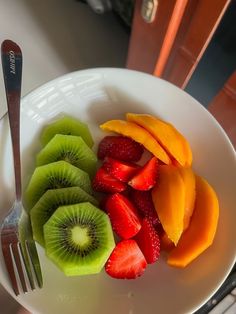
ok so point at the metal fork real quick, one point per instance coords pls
(18, 247)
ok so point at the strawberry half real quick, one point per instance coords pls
(126, 261)
(120, 170)
(146, 177)
(123, 215)
(104, 182)
(143, 202)
(120, 147)
(148, 241)
(103, 201)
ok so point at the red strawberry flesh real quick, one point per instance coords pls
(126, 261)
(123, 215)
(104, 182)
(120, 147)
(120, 170)
(148, 241)
(144, 204)
(146, 177)
(103, 201)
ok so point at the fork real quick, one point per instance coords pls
(18, 247)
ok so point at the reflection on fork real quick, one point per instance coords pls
(18, 247)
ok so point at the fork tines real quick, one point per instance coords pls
(21, 263)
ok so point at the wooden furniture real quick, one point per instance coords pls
(223, 108)
(172, 45)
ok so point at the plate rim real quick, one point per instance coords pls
(134, 72)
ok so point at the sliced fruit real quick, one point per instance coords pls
(104, 182)
(69, 148)
(166, 134)
(168, 197)
(123, 215)
(202, 228)
(188, 152)
(68, 126)
(120, 170)
(138, 134)
(146, 177)
(144, 204)
(103, 202)
(50, 201)
(166, 244)
(188, 177)
(55, 175)
(120, 147)
(148, 241)
(79, 239)
(126, 261)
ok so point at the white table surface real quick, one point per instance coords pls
(59, 36)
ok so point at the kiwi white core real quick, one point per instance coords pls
(80, 236)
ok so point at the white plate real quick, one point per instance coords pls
(95, 96)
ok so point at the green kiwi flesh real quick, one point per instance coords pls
(79, 239)
(50, 201)
(67, 126)
(69, 148)
(55, 175)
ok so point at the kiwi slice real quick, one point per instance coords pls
(70, 148)
(50, 201)
(55, 175)
(79, 239)
(68, 126)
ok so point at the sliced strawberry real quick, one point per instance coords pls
(103, 202)
(120, 147)
(146, 177)
(120, 170)
(126, 261)
(143, 202)
(148, 241)
(123, 215)
(104, 182)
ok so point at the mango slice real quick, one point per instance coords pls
(167, 135)
(139, 135)
(188, 177)
(202, 228)
(188, 151)
(168, 196)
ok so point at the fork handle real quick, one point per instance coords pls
(12, 73)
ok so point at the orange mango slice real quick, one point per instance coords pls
(168, 196)
(167, 135)
(188, 177)
(188, 151)
(202, 228)
(139, 135)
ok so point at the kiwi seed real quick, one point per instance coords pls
(55, 175)
(79, 239)
(69, 148)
